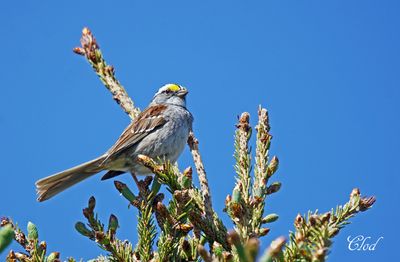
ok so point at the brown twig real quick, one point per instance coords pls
(201, 172)
(91, 50)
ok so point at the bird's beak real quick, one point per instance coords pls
(182, 93)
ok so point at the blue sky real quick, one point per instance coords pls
(328, 71)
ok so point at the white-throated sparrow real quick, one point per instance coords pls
(160, 132)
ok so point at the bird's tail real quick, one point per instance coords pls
(52, 185)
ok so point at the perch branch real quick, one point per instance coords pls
(201, 172)
(91, 50)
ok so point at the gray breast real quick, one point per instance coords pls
(167, 142)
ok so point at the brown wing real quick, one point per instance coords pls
(147, 121)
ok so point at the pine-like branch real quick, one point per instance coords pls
(246, 205)
(95, 230)
(313, 236)
(91, 50)
(34, 250)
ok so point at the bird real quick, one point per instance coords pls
(160, 132)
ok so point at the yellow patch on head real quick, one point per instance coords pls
(173, 87)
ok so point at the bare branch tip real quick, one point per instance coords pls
(278, 243)
(143, 158)
(244, 118)
(79, 51)
(86, 31)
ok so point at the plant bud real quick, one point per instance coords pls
(113, 224)
(264, 231)
(188, 172)
(366, 202)
(83, 230)
(325, 217)
(270, 218)
(185, 228)
(273, 166)
(299, 237)
(20, 237)
(273, 188)
(125, 191)
(21, 256)
(92, 204)
(333, 232)
(86, 31)
(252, 247)
(4, 221)
(87, 213)
(236, 196)
(42, 246)
(110, 69)
(6, 236)
(314, 219)
(276, 246)
(228, 200)
(98, 54)
(32, 231)
(53, 257)
(79, 51)
(144, 159)
(11, 256)
(244, 121)
(298, 221)
(355, 192)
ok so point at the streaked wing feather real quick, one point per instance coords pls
(146, 122)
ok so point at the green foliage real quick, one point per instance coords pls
(312, 239)
(106, 239)
(34, 250)
(32, 231)
(6, 237)
(246, 206)
(184, 230)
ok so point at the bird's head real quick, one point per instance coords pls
(172, 94)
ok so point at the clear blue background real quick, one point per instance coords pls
(328, 71)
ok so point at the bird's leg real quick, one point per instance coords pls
(136, 180)
(138, 184)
